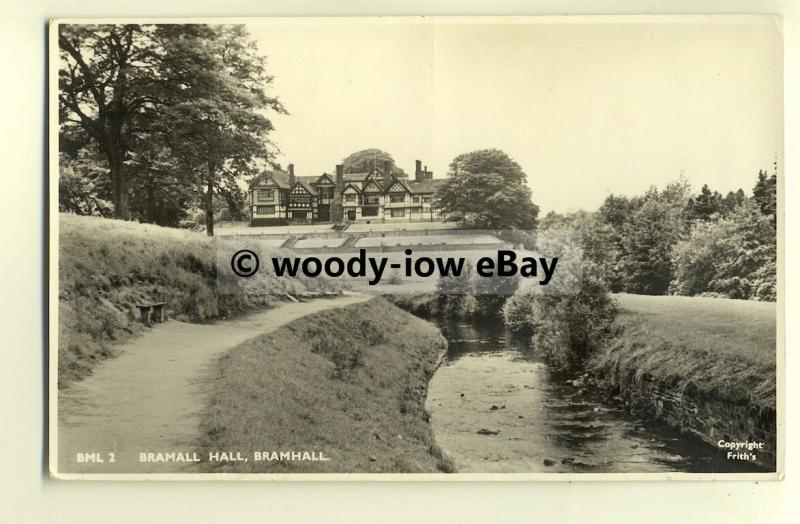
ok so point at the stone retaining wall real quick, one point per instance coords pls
(710, 419)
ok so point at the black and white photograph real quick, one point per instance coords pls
(416, 248)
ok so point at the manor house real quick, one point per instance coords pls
(278, 197)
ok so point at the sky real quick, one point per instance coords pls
(587, 107)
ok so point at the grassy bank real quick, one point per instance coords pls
(350, 383)
(107, 267)
(711, 347)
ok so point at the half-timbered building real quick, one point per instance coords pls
(278, 197)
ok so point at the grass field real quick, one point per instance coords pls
(718, 347)
(350, 383)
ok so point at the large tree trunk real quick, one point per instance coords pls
(210, 202)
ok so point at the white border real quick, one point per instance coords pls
(391, 477)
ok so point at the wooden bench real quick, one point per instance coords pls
(157, 309)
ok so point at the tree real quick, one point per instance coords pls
(732, 201)
(647, 240)
(490, 191)
(616, 210)
(177, 110)
(747, 268)
(765, 195)
(366, 160)
(705, 205)
(161, 189)
(77, 187)
(733, 257)
(694, 259)
(109, 85)
(216, 124)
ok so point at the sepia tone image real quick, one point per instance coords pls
(439, 248)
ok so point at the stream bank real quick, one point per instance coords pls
(495, 407)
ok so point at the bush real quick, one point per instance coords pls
(472, 296)
(519, 313)
(567, 328)
(571, 328)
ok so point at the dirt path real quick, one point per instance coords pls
(148, 399)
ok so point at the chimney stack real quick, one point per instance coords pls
(292, 179)
(387, 168)
(418, 170)
(339, 178)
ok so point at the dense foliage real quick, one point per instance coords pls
(670, 241)
(157, 120)
(666, 241)
(489, 190)
(570, 321)
(365, 160)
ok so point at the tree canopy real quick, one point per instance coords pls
(365, 160)
(490, 191)
(176, 111)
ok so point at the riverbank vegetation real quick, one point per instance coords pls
(350, 383)
(566, 329)
(107, 267)
(711, 347)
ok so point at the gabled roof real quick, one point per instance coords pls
(355, 177)
(306, 185)
(325, 178)
(280, 178)
(370, 182)
(425, 186)
(402, 183)
(354, 186)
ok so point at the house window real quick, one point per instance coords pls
(415, 199)
(265, 210)
(369, 211)
(372, 200)
(264, 196)
(426, 199)
(397, 199)
(398, 213)
(350, 198)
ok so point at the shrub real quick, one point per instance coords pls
(518, 313)
(567, 328)
(571, 328)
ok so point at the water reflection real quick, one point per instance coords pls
(496, 408)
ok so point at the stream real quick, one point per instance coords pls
(495, 408)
